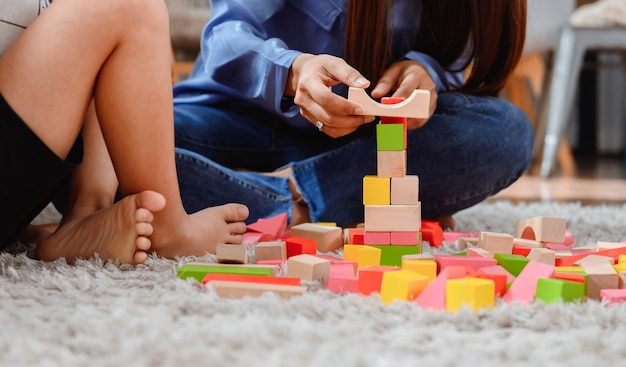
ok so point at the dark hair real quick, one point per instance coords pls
(496, 30)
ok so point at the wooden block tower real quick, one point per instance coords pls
(391, 197)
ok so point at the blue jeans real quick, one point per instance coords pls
(470, 149)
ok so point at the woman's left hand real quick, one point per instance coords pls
(403, 78)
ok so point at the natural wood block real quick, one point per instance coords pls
(405, 190)
(475, 293)
(273, 250)
(242, 289)
(602, 245)
(308, 267)
(391, 163)
(570, 260)
(528, 243)
(211, 277)
(417, 105)
(376, 190)
(543, 255)
(363, 255)
(496, 243)
(600, 274)
(542, 229)
(327, 238)
(418, 257)
(402, 285)
(550, 290)
(371, 277)
(424, 267)
(300, 245)
(393, 218)
(434, 296)
(477, 251)
(390, 137)
(231, 254)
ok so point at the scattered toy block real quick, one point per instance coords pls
(242, 289)
(602, 245)
(524, 286)
(619, 267)
(336, 261)
(527, 243)
(551, 290)
(199, 270)
(371, 277)
(402, 285)
(622, 280)
(393, 218)
(327, 238)
(343, 283)
(390, 137)
(231, 254)
(417, 105)
(274, 250)
(600, 274)
(434, 296)
(392, 255)
(211, 277)
(465, 242)
(474, 262)
(543, 255)
(300, 245)
(422, 256)
(432, 232)
(621, 258)
(376, 190)
(613, 296)
(521, 250)
(495, 243)
(477, 251)
(452, 237)
(363, 255)
(354, 236)
(377, 238)
(308, 267)
(424, 267)
(404, 190)
(273, 226)
(405, 238)
(542, 229)
(499, 281)
(497, 270)
(474, 293)
(391, 163)
(570, 260)
(514, 264)
(250, 238)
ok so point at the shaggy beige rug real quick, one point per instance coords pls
(96, 314)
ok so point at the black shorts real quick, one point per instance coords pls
(30, 173)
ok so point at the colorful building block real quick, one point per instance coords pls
(392, 255)
(371, 277)
(272, 250)
(391, 163)
(244, 289)
(327, 238)
(300, 245)
(404, 190)
(424, 267)
(542, 229)
(434, 296)
(402, 285)
(363, 255)
(308, 267)
(405, 238)
(231, 254)
(524, 286)
(393, 218)
(474, 293)
(376, 190)
(550, 290)
(390, 137)
(199, 270)
(514, 264)
(211, 277)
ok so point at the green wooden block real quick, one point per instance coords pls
(551, 290)
(514, 264)
(390, 137)
(198, 271)
(392, 255)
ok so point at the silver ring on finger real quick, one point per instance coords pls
(319, 125)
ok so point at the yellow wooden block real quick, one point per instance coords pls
(424, 267)
(376, 190)
(475, 293)
(619, 267)
(621, 259)
(402, 285)
(363, 255)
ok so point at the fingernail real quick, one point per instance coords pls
(243, 212)
(361, 80)
(358, 110)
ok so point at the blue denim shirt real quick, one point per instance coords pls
(248, 46)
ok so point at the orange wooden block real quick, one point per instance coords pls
(300, 245)
(499, 280)
(371, 277)
(570, 260)
(432, 233)
(521, 250)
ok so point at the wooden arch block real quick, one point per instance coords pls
(417, 105)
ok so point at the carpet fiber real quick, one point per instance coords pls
(105, 314)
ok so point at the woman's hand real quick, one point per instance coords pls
(310, 80)
(403, 78)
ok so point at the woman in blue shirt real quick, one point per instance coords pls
(270, 73)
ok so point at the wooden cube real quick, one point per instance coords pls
(231, 254)
(393, 218)
(405, 190)
(402, 285)
(391, 163)
(273, 250)
(376, 190)
(308, 267)
(328, 238)
(475, 293)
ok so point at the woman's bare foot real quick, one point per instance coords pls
(118, 232)
(202, 232)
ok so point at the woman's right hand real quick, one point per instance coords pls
(311, 78)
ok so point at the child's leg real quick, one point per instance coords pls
(117, 51)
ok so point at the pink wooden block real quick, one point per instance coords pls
(405, 238)
(273, 226)
(474, 262)
(434, 296)
(497, 269)
(250, 238)
(335, 260)
(557, 247)
(377, 238)
(525, 285)
(611, 296)
(451, 237)
(343, 283)
(569, 239)
(340, 269)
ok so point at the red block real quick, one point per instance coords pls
(394, 120)
(521, 250)
(371, 277)
(570, 260)
(572, 277)
(499, 281)
(273, 226)
(300, 245)
(432, 232)
(357, 236)
(251, 279)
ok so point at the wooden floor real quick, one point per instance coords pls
(597, 180)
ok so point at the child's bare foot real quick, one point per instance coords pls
(37, 233)
(118, 232)
(202, 232)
